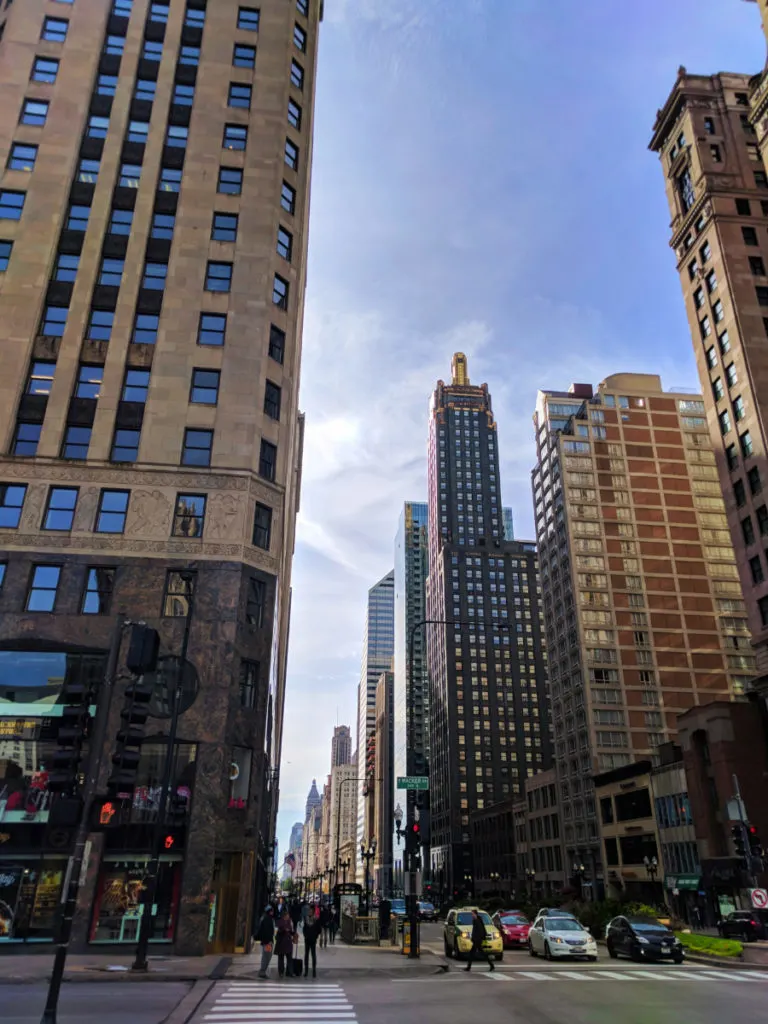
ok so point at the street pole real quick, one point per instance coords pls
(75, 865)
(140, 962)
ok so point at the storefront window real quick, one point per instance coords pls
(146, 796)
(118, 907)
(29, 898)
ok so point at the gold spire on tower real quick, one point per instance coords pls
(459, 369)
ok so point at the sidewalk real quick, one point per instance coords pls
(341, 960)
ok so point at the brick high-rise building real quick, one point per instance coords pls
(154, 199)
(489, 698)
(642, 603)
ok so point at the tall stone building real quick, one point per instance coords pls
(489, 699)
(343, 830)
(384, 804)
(154, 201)
(642, 603)
(341, 746)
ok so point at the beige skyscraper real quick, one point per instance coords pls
(154, 203)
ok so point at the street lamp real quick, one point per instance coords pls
(651, 866)
(330, 872)
(578, 871)
(495, 877)
(399, 830)
(367, 853)
(468, 883)
(345, 866)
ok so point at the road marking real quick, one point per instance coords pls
(618, 975)
(576, 975)
(270, 1002)
(495, 976)
(538, 975)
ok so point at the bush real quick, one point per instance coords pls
(709, 944)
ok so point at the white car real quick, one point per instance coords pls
(555, 937)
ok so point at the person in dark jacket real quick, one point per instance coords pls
(295, 911)
(333, 924)
(312, 929)
(265, 934)
(325, 920)
(478, 938)
(284, 944)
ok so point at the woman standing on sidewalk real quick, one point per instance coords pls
(284, 944)
(265, 934)
(312, 929)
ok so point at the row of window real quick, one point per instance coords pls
(112, 512)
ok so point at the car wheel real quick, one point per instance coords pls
(531, 950)
(611, 951)
(499, 957)
(456, 952)
(635, 954)
(592, 959)
(547, 951)
(448, 950)
(678, 959)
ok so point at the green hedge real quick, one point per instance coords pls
(711, 945)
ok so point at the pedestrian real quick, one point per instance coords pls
(265, 934)
(333, 925)
(478, 938)
(312, 929)
(284, 945)
(295, 913)
(324, 921)
(306, 910)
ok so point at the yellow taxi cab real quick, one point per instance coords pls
(457, 934)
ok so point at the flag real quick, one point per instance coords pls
(290, 860)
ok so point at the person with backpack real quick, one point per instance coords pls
(265, 934)
(312, 929)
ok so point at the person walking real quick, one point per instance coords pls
(478, 938)
(265, 934)
(284, 945)
(333, 925)
(312, 930)
(325, 920)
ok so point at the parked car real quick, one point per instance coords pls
(427, 911)
(553, 912)
(556, 937)
(514, 927)
(749, 925)
(457, 934)
(642, 938)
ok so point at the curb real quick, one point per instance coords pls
(190, 1004)
(721, 961)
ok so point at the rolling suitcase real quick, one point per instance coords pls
(298, 967)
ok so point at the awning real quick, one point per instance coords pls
(682, 881)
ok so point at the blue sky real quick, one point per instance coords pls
(482, 183)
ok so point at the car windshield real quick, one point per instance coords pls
(398, 904)
(427, 906)
(465, 918)
(562, 924)
(513, 919)
(647, 926)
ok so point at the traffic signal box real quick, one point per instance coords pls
(72, 731)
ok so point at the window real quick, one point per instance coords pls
(205, 387)
(235, 136)
(115, 45)
(254, 602)
(122, 8)
(276, 344)
(65, 268)
(120, 222)
(170, 180)
(212, 329)
(177, 136)
(288, 198)
(742, 99)
(60, 510)
(284, 243)
(97, 595)
(294, 114)
(717, 310)
(40, 378)
(749, 236)
(711, 355)
(724, 342)
(711, 280)
(189, 515)
(743, 208)
(44, 69)
(146, 89)
(5, 254)
(195, 17)
(190, 55)
(755, 483)
(725, 421)
(163, 225)
(239, 95)
(272, 396)
(106, 85)
(197, 448)
(179, 588)
(135, 386)
(42, 588)
(745, 440)
(230, 181)
(761, 179)
(76, 442)
(54, 321)
(154, 276)
(249, 683)
(762, 604)
(158, 12)
(698, 298)
(54, 30)
(11, 503)
(739, 494)
(753, 151)
(26, 438)
(113, 508)
(280, 292)
(224, 227)
(100, 324)
(705, 252)
(89, 379)
(77, 218)
(97, 127)
(717, 388)
(756, 568)
(262, 526)
(244, 56)
(732, 456)
(145, 328)
(138, 131)
(125, 446)
(11, 204)
(739, 409)
(748, 531)
(705, 327)
(730, 374)
(248, 18)
(709, 126)
(686, 191)
(111, 272)
(268, 460)
(714, 152)
(88, 171)
(297, 75)
(183, 95)
(291, 155)
(218, 276)
(151, 51)
(299, 38)
(757, 266)
(762, 519)
(22, 157)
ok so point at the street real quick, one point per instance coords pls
(93, 1002)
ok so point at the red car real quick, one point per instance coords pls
(514, 927)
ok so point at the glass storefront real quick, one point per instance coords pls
(118, 903)
(30, 890)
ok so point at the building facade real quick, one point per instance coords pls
(378, 650)
(384, 787)
(489, 698)
(341, 746)
(642, 600)
(149, 429)
(343, 812)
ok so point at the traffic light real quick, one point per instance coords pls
(176, 809)
(755, 846)
(737, 834)
(130, 736)
(64, 765)
(143, 648)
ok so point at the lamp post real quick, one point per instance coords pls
(345, 866)
(330, 873)
(651, 866)
(495, 878)
(578, 871)
(468, 884)
(367, 853)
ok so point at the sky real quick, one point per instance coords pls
(481, 183)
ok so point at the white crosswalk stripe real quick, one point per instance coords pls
(287, 1002)
(683, 974)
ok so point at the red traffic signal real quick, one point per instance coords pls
(168, 842)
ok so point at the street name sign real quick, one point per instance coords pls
(412, 782)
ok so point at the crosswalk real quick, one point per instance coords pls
(291, 1001)
(672, 974)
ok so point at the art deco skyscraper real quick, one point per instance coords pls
(341, 746)
(489, 718)
(642, 602)
(154, 199)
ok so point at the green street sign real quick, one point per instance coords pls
(412, 782)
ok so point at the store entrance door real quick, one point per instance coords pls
(225, 894)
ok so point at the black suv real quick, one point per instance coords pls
(749, 925)
(642, 938)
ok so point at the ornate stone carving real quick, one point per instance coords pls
(85, 514)
(105, 477)
(223, 517)
(149, 513)
(33, 507)
(42, 542)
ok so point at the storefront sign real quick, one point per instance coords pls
(682, 881)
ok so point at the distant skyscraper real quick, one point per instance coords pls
(384, 786)
(313, 800)
(378, 648)
(341, 746)
(489, 718)
(509, 525)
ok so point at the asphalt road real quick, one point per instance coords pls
(109, 1002)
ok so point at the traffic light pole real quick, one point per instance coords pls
(75, 865)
